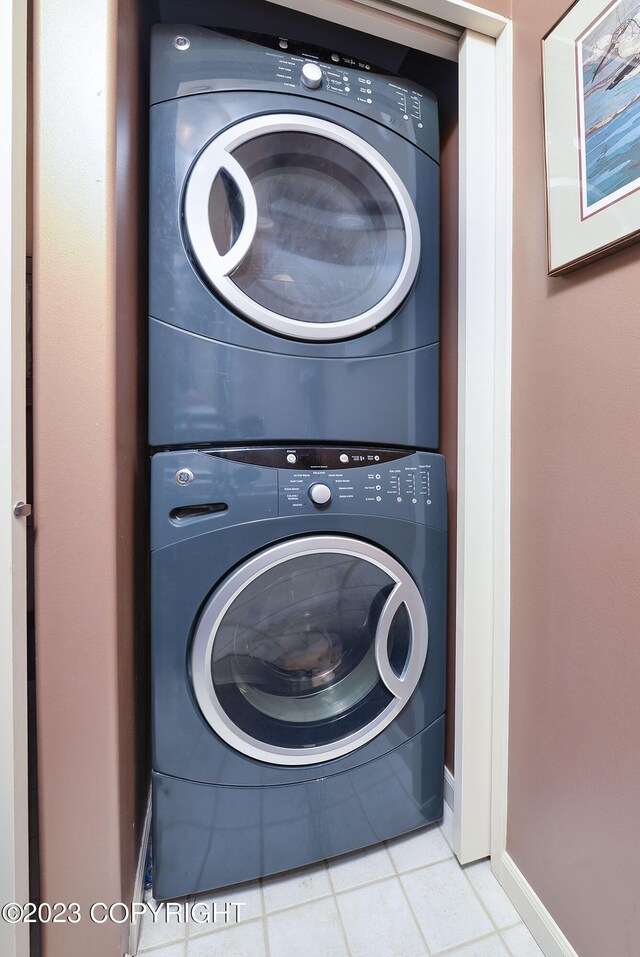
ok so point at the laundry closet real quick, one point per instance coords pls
(127, 401)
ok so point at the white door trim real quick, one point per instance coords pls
(484, 452)
(476, 401)
(14, 833)
(502, 452)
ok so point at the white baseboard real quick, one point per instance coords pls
(550, 938)
(448, 787)
(138, 887)
(535, 915)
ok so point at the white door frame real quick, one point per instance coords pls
(502, 452)
(482, 43)
(14, 794)
(484, 445)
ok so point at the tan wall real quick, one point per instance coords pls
(503, 7)
(574, 779)
(87, 463)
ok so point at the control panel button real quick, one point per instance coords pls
(320, 494)
(291, 458)
(311, 76)
(344, 457)
(335, 57)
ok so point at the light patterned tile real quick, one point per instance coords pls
(311, 929)
(296, 887)
(161, 931)
(173, 950)
(500, 908)
(488, 947)
(445, 905)
(520, 942)
(371, 864)
(208, 910)
(425, 846)
(377, 920)
(243, 940)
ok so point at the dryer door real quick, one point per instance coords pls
(309, 649)
(301, 226)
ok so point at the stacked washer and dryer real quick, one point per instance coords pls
(298, 522)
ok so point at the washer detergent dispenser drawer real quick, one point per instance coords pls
(294, 261)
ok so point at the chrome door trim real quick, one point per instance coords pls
(226, 593)
(196, 205)
(396, 684)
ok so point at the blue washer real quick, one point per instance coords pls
(294, 248)
(298, 656)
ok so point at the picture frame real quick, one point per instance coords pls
(591, 100)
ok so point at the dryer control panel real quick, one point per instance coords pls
(188, 60)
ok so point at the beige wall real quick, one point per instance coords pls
(87, 462)
(574, 780)
(503, 7)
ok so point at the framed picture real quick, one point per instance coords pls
(591, 89)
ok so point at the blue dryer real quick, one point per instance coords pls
(298, 656)
(294, 247)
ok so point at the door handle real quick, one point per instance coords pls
(196, 205)
(395, 684)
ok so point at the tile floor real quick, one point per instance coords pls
(406, 898)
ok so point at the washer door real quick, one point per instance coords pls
(302, 227)
(309, 649)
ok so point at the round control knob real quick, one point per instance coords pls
(320, 494)
(311, 76)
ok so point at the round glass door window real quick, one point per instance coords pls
(302, 227)
(309, 649)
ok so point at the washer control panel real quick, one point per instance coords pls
(310, 488)
(400, 491)
(387, 482)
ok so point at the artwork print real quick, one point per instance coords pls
(608, 89)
